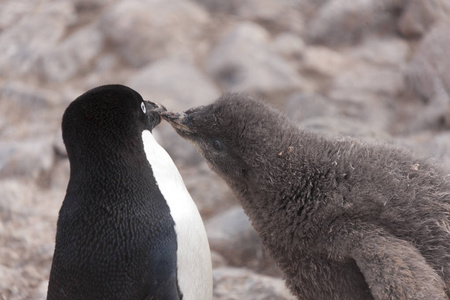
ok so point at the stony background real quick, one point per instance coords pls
(367, 68)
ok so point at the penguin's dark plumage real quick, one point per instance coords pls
(342, 218)
(117, 235)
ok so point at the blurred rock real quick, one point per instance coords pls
(338, 117)
(323, 61)
(32, 36)
(217, 260)
(418, 16)
(210, 193)
(375, 63)
(427, 74)
(10, 281)
(244, 61)
(72, 55)
(30, 111)
(429, 144)
(289, 45)
(26, 236)
(218, 6)
(27, 97)
(181, 151)
(310, 8)
(177, 84)
(147, 30)
(237, 284)
(13, 10)
(434, 115)
(389, 51)
(60, 175)
(427, 79)
(26, 159)
(368, 79)
(58, 144)
(340, 126)
(90, 4)
(275, 15)
(17, 208)
(231, 235)
(40, 292)
(342, 22)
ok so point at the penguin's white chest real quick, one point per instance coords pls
(193, 253)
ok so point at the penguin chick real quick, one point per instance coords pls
(343, 219)
(128, 228)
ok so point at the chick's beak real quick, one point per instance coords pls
(179, 121)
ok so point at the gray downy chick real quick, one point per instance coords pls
(343, 219)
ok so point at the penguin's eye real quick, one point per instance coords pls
(218, 145)
(144, 109)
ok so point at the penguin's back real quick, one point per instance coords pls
(115, 238)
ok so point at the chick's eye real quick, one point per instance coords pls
(144, 109)
(218, 145)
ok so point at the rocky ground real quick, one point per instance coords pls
(374, 69)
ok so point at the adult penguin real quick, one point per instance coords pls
(343, 219)
(128, 228)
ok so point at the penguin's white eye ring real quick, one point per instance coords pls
(144, 109)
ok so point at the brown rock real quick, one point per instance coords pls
(73, 55)
(323, 61)
(26, 40)
(237, 284)
(289, 45)
(175, 83)
(26, 159)
(428, 80)
(382, 51)
(418, 16)
(13, 10)
(231, 235)
(276, 15)
(342, 22)
(377, 80)
(210, 193)
(427, 74)
(344, 116)
(147, 30)
(431, 145)
(244, 61)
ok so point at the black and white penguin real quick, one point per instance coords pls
(343, 219)
(128, 228)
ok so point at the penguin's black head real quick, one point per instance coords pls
(236, 134)
(107, 119)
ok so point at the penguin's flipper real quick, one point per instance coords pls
(394, 269)
(168, 296)
(168, 292)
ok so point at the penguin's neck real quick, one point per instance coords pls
(104, 165)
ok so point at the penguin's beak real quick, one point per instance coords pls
(158, 108)
(152, 113)
(179, 121)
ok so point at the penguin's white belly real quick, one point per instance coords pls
(193, 253)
